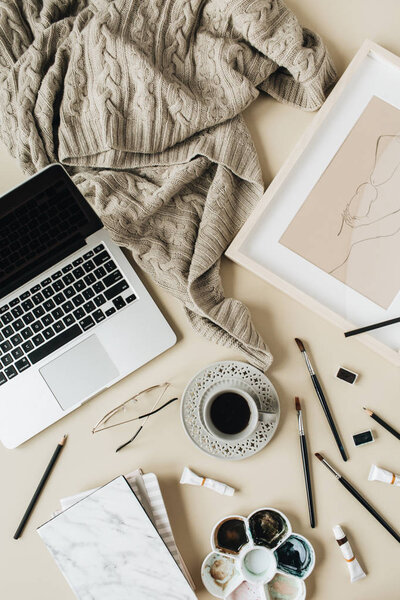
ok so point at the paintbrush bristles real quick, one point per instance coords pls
(297, 403)
(319, 456)
(369, 412)
(300, 344)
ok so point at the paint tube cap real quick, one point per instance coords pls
(338, 532)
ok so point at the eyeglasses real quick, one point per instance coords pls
(102, 424)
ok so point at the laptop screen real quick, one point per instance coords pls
(41, 222)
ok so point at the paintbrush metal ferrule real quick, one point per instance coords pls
(300, 422)
(328, 466)
(308, 363)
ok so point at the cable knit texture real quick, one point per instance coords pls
(141, 101)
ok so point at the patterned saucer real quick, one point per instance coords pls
(198, 388)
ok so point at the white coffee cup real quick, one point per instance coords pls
(248, 395)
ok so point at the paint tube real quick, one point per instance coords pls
(354, 567)
(378, 474)
(192, 479)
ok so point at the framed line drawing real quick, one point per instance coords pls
(327, 230)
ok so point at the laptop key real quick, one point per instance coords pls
(98, 316)
(6, 359)
(3, 378)
(69, 292)
(67, 306)
(78, 300)
(47, 320)
(113, 278)
(69, 320)
(27, 305)
(101, 258)
(79, 272)
(35, 289)
(89, 306)
(17, 311)
(6, 318)
(88, 294)
(24, 295)
(66, 268)
(28, 318)
(27, 346)
(37, 326)
(48, 333)
(86, 323)
(68, 279)
(49, 305)
(89, 279)
(110, 266)
(10, 372)
(38, 339)
(110, 311)
(59, 326)
(17, 352)
(58, 285)
(98, 287)
(56, 275)
(5, 346)
(38, 298)
(45, 282)
(7, 331)
(79, 285)
(57, 313)
(27, 333)
(38, 311)
(98, 248)
(78, 261)
(56, 342)
(16, 339)
(116, 289)
(89, 266)
(79, 313)
(4, 308)
(99, 300)
(88, 254)
(22, 364)
(119, 302)
(59, 298)
(130, 298)
(18, 324)
(48, 291)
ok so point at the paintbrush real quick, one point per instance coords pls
(382, 422)
(358, 497)
(306, 467)
(321, 397)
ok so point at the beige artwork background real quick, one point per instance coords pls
(349, 225)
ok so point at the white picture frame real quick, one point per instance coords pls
(374, 71)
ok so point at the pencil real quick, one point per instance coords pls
(358, 497)
(306, 467)
(382, 422)
(39, 488)
(321, 397)
(371, 327)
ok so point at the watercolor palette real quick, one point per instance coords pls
(257, 558)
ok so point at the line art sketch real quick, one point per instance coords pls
(349, 224)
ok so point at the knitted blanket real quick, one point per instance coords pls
(141, 101)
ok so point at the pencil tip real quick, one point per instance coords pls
(300, 344)
(369, 412)
(62, 441)
(319, 456)
(297, 403)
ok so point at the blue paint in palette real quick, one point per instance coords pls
(295, 556)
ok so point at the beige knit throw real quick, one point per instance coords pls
(140, 100)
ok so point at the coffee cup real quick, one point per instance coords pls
(230, 411)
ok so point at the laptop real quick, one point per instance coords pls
(74, 316)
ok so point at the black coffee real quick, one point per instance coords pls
(230, 413)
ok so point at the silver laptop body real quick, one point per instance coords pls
(76, 327)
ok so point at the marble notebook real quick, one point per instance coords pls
(108, 549)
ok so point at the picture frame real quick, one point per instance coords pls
(373, 72)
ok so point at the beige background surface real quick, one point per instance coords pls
(273, 477)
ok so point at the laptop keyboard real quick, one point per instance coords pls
(60, 308)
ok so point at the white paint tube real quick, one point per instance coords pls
(192, 479)
(353, 565)
(378, 474)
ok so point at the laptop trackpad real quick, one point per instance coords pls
(79, 372)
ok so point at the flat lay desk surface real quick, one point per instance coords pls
(273, 477)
